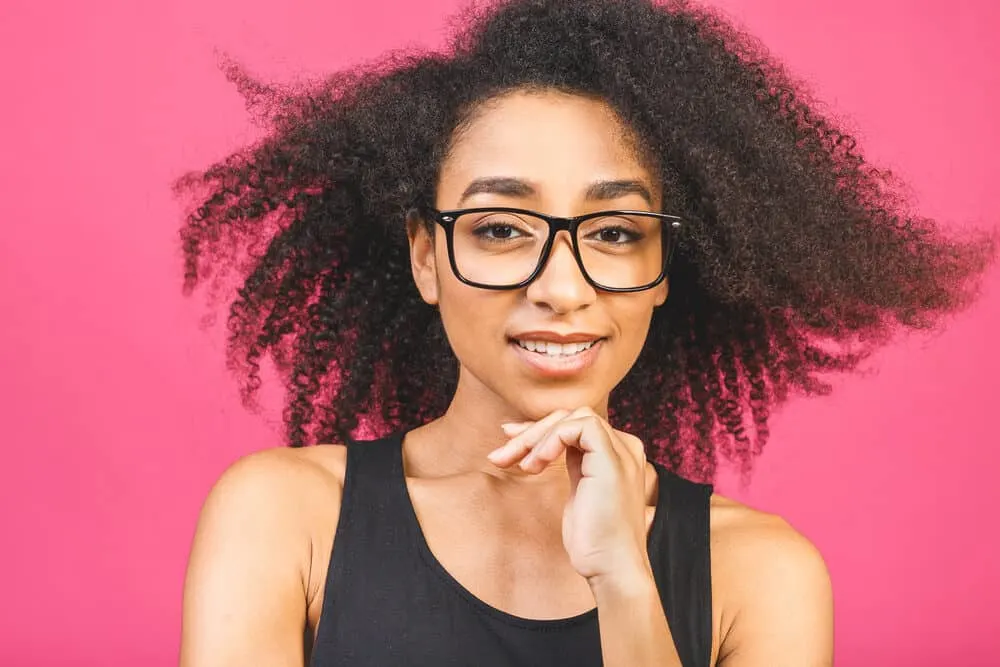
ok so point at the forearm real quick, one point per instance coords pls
(634, 629)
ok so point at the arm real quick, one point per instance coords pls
(245, 592)
(773, 580)
(604, 527)
(634, 630)
(781, 595)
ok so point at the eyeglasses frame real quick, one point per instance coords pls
(447, 219)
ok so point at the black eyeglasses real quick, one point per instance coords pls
(507, 248)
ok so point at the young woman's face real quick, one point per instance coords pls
(560, 155)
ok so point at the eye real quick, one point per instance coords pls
(498, 231)
(498, 227)
(615, 234)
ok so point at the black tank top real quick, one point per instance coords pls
(388, 601)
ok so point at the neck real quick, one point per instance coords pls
(458, 442)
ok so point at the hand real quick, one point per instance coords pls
(604, 522)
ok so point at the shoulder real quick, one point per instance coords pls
(272, 502)
(772, 585)
(748, 535)
(762, 549)
(257, 539)
(279, 482)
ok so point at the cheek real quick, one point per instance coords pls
(633, 320)
(473, 319)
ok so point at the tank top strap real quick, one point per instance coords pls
(372, 570)
(375, 498)
(681, 560)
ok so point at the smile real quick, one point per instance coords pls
(555, 349)
(548, 359)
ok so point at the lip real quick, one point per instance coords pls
(559, 367)
(554, 337)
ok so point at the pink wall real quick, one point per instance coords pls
(118, 413)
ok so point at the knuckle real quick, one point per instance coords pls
(634, 445)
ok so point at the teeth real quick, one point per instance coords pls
(555, 349)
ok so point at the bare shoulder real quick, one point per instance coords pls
(773, 589)
(317, 465)
(290, 496)
(745, 533)
(256, 540)
(282, 484)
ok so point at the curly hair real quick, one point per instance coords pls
(797, 256)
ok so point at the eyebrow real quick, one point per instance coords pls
(515, 187)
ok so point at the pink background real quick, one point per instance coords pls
(118, 413)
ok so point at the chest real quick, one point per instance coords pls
(448, 570)
(481, 584)
(505, 551)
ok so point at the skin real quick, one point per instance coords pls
(537, 463)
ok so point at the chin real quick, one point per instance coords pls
(540, 402)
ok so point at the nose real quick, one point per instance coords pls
(561, 286)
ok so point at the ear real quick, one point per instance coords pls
(422, 258)
(660, 292)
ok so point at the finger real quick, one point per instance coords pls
(517, 447)
(613, 435)
(511, 429)
(625, 445)
(632, 445)
(586, 434)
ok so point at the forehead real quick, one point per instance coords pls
(557, 140)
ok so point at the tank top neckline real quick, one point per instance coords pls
(538, 624)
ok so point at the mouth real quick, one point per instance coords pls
(552, 359)
(555, 350)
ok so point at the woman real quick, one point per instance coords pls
(561, 271)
